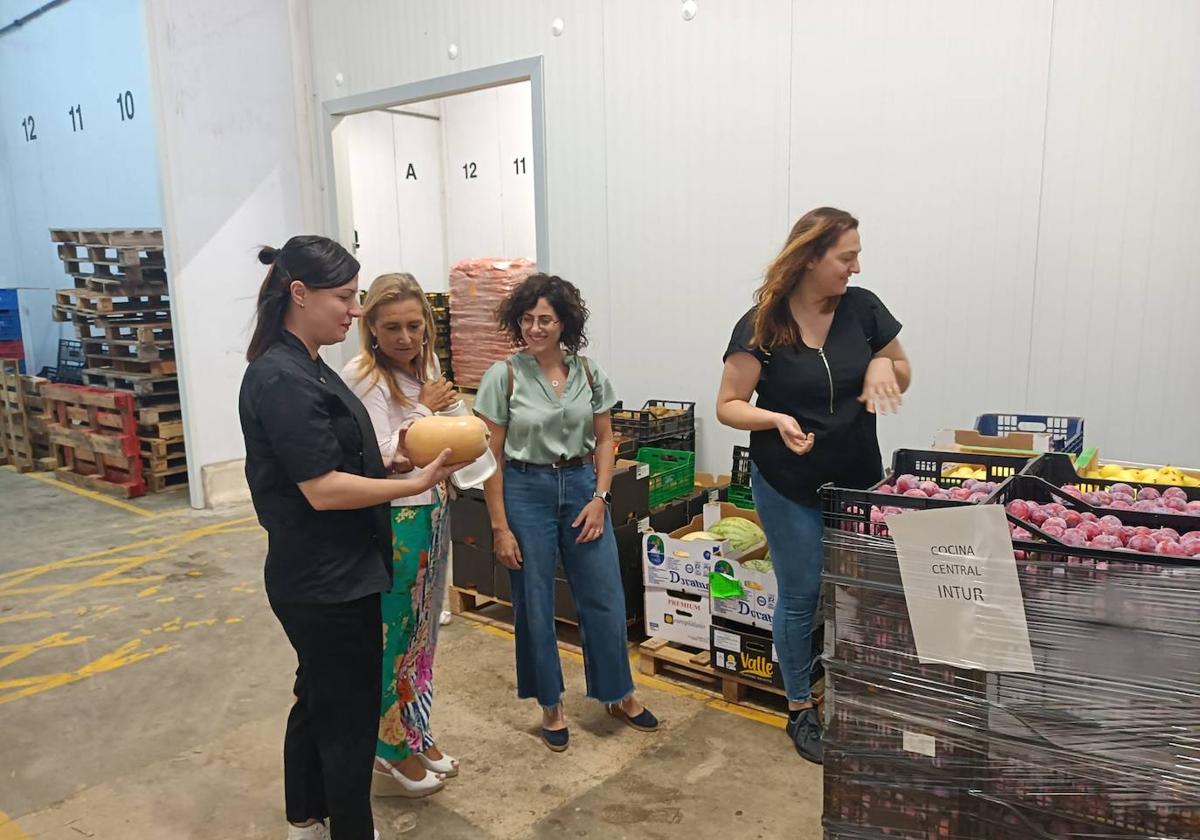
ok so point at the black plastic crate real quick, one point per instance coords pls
(933, 465)
(846, 509)
(71, 361)
(1034, 489)
(1059, 469)
(740, 474)
(649, 424)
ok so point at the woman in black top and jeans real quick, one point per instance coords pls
(824, 359)
(321, 491)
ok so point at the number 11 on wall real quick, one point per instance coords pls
(76, 118)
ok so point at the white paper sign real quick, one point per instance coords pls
(914, 742)
(960, 583)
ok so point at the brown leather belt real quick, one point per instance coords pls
(582, 460)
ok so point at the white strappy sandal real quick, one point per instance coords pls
(447, 765)
(391, 782)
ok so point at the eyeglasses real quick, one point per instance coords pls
(544, 322)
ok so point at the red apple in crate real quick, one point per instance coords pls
(916, 494)
(1090, 530)
(1072, 490)
(1021, 534)
(1121, 504)
(1019, 508)
(1073, 536)
(1143, 530)
(941, 494)
(906, 482)
(1053, 531)
(978, 497)
(1175, 504)
(960, 493)
(1093, 499)
(886, 489)
(1106, 541)
(1141, 542)
(1056, 522)
(1121, 487)
(1038, 516)
(1170, 548)
(1148, 493)
(1109, 519)
(1190, 547)
(1165, 534)
(1088, 516)
(1127, 498)
(929, 488)
(1073, 518)
(1055, 509)
(1194, 507)
(1145, 506)
(1175, 493)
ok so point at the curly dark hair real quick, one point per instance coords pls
(568, 306)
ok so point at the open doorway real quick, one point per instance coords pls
(431, 175)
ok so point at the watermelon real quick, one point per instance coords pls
(742, 534)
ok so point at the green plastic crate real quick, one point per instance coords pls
(741, 497)
(672, 473)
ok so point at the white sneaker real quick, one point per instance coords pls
(316, 831)
(445, 617)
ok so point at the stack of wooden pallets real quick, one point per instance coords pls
(122, 313)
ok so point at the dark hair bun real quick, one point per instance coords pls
(267, 255)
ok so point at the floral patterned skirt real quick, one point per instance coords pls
(420, 549)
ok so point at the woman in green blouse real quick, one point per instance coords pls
(548, 411)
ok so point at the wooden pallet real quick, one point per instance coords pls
(24, 442)
(120, 256)
(176, 479)
(87, 302)
(129, 349)
(659, 657)
(494, 612)
(113, 237)
(119, 364)
(141, 384)
(94, 432)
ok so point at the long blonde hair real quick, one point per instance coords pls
(811, 237)
(371, 365)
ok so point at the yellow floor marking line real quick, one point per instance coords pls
(18, 652)
(8, 619)
(146, 593)
(9, 830)
(120, 559)
(92, 494)
(127, 654)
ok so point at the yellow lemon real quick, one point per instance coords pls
(1111, 470)
(1188, 481)
(980, 474)
(1128, 475)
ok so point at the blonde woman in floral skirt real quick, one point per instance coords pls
(398, 379)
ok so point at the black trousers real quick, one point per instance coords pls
(329, 748)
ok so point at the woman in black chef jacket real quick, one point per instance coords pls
(824, 359)
(321, 491)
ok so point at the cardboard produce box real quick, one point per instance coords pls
(680, 617)
(1013, 443)
(671, 562)
(746, 653)
(756, 607)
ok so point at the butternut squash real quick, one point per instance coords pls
(466, 437)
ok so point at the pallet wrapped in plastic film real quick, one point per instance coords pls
(476, 289)
(1101, 741)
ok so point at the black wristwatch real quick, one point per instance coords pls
(604, 497)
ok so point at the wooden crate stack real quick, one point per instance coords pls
(24, 440)
(122, 313)
(440, 303)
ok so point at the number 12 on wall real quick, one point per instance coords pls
(30, 131)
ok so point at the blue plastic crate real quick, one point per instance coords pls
(8, 299)
(1066, 433)
(10, 324)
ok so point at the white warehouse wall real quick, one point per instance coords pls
(100, 172)
(232, 167)
(991, 151)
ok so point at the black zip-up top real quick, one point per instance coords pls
(820, 388)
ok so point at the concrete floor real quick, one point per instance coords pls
(144, 685)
